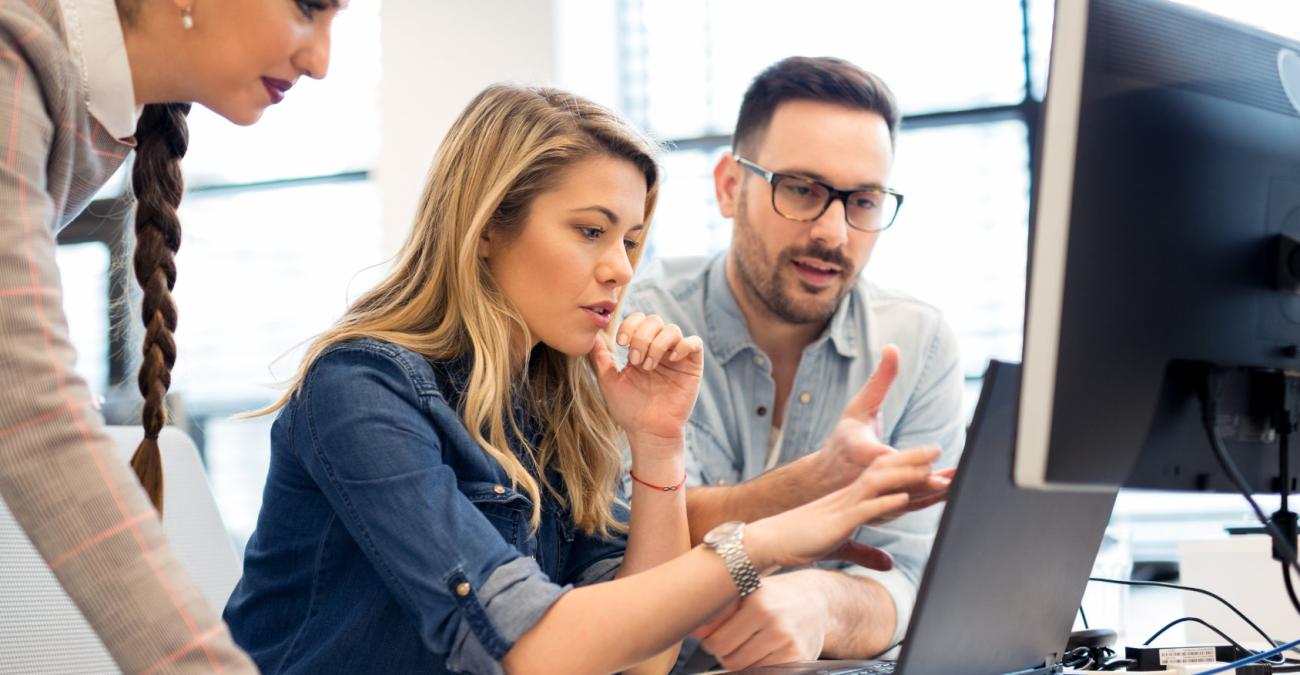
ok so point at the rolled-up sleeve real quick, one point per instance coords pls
(510, 603)
(377, 457)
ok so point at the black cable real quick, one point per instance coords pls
(1209, 413)
(1272, 529)
(1202, 591)
(1121, 663)
(1194, 619)
(1084, 616)
(1284, 467)
(1218, 632)
(1078, 658)
(1092, 658)
(1290, 589)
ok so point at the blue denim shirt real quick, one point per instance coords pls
(388, 541)
(727, 436)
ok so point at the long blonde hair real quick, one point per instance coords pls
(507, 147)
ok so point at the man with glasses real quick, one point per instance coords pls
(812, 371)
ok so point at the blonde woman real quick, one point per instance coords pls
(443, 486)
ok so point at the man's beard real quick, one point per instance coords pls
(763, 279)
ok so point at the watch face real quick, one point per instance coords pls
(722, 532)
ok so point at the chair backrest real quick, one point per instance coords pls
(41, 631)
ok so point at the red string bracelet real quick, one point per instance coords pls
(661, 488)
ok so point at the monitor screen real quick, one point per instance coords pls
(1167, 196)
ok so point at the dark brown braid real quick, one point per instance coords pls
(162, 137)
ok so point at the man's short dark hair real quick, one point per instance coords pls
(802, 78)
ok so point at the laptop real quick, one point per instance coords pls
(1008, 567)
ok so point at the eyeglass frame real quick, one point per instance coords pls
(832, 194)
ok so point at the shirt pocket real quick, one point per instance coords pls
(509, 511)
(708, 461)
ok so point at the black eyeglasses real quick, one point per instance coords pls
(805, 200)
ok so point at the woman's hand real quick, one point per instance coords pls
(822, 529)
(652, 397)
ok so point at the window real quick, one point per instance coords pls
(281, 229)
(963, 151)
(83, 269)
(969, 84)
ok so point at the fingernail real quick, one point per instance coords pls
(634, 357)
(649, 364)
(622, 339)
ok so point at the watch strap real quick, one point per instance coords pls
(742, 571)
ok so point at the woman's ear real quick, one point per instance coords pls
(484, 245)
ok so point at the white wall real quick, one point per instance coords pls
(436, 55)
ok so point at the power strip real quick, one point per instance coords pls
(1155, 659)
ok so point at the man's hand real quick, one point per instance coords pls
(852, 447)
(855, 443)
(785, 620)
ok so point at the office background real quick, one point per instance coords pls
(287, 220)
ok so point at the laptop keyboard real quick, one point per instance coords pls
(883, 668)
(824, 668)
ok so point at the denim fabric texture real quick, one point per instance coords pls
(388, 541)
(727, 435)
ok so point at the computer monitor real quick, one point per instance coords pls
(1166, 212)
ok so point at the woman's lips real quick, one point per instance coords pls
(276, 88)
(602, 319)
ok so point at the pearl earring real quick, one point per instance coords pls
(187, 19)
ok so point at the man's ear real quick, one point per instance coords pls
(726, 183)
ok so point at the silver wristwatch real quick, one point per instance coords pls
(727, 540)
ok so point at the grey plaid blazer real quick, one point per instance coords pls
(83, 509)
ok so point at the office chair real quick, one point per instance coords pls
(42, 632)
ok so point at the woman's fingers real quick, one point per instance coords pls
(692, 346)
(914, 457)
(895, 478)
(871, 509)
(650, 341)
(639, 337)
(666, 339)
(926, 502)
(602, 361)
(627, 327)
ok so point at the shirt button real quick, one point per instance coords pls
(462, 589)
(805, 397)
(722, 481)
(499, 489)
(758, 360)
(762, 410)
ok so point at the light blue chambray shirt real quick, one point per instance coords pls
(727, 436)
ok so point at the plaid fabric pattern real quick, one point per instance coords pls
(80, 506)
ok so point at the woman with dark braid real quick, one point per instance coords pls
(73, 74)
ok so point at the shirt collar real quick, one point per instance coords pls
(729, 334)
(98, 47)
